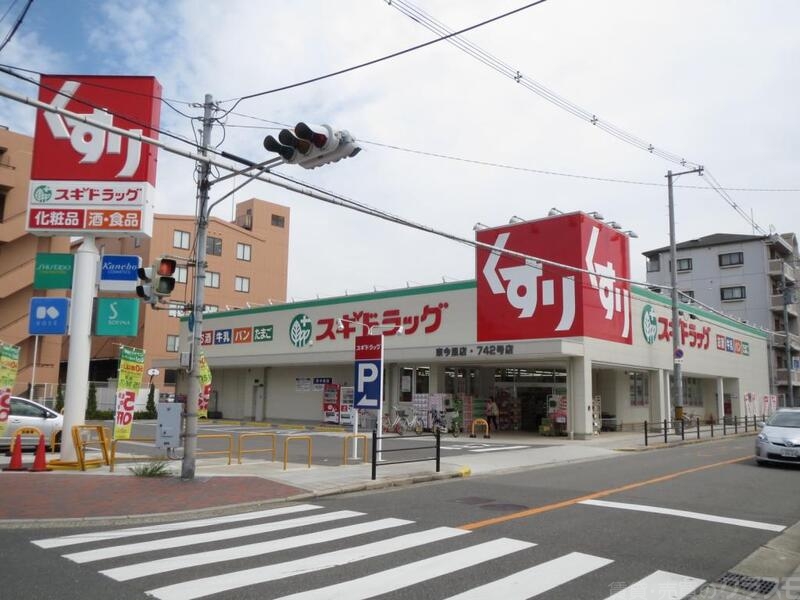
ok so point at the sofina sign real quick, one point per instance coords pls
(117, 316)
(53, 271)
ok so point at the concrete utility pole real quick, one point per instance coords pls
(198, 298)
(677, 351)
(788, 298)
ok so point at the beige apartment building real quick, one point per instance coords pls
(247, 264)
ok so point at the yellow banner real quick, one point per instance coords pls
(131, 369)
(9, 363)
(205, 387)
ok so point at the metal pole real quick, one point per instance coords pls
(33, 371)
(677, 377)
(787, 299)
(198, 297)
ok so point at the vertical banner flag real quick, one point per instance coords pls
(205, 387)
(131, 368)
(9, 361)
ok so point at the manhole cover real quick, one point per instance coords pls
(474, 500)
(747, 583)
(504, 507)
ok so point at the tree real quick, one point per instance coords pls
(151, 402)
(59, 398)
(91, 401)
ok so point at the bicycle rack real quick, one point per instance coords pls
(483, 423)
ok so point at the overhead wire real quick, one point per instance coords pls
(16, 26)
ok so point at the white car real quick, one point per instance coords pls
(27, 413)
(779, 438)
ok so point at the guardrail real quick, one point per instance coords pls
(695, 429)
(244, 436)
(226, 436)
(288, 439)
(114, 458)
(436, 446)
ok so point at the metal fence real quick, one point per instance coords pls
(667, 431)
(417, 453)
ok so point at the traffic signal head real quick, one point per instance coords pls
(163, 280)
(311, 146)
(145, 288)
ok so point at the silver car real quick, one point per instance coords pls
(779, 439)
(27, 413)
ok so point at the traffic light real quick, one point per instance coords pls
(312, 145)
(145, 289)
(163, 280)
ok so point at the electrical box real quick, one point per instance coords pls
(168, 428)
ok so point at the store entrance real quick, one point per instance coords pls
(527, 398)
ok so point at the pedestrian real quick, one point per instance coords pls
(492, 412)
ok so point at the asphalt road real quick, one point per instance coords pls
(546, 529)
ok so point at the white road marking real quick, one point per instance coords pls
(537, 580)
(413, 573)
(210, 536)
(185, 561)
(686, 514)
(206, 586)
(100, 536)
(498, 448)
(662, 585)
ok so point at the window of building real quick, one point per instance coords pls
(214, 246)
(3, 193)
(241, 284)
(732, 293)
(639, 385)
(181, 274)
(172, 343)
(212, 279)
(731, 259)
(653, 264)
(170, 376)
(176, 311)
(686, 295)
(137, 242)
(693, 392)
(684, 264)
(278, 221)
(180, 239)
(243, 251)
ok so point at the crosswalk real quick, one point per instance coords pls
(358, 556)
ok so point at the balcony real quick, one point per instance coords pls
(779, 268)
(781, 377)
(776, 305)
(779, 340)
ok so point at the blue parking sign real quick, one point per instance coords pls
(48, 316)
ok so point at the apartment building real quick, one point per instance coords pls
(39, 358)
(749, 277)
(247, 265)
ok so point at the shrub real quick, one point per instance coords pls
(154, 468)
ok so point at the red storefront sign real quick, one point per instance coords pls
(97, 175)
(530, 299)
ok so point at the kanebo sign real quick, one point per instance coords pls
(85, 179)
(531, 299)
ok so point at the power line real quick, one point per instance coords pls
(16, 25)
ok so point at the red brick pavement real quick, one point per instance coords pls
(56, 495)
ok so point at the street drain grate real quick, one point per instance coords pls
(750, 584)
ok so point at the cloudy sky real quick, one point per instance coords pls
(713, 82)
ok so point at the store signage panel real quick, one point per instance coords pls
(117, 316)
(521, 298)
(86, 179)
(48, 316)
(368, 371)
(118, 272)
(53, 271)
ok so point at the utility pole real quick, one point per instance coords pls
(198, 298)
(788, 298)
(677, 351)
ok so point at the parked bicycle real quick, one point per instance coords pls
(394, 424)
(438, 423)
(414, 424)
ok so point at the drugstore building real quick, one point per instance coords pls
(562, 350)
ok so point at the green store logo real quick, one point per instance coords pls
(300, 331)
(42, 193)
(649, 324)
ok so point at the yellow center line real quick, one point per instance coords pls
(602, 493)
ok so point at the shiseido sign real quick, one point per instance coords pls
(522, 298)
(85, 179)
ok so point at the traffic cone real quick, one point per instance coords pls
(40, 462)
(16, 457)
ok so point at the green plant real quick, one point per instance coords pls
(154, 468)
(91, 401)
(150, 408)
(59, 398)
